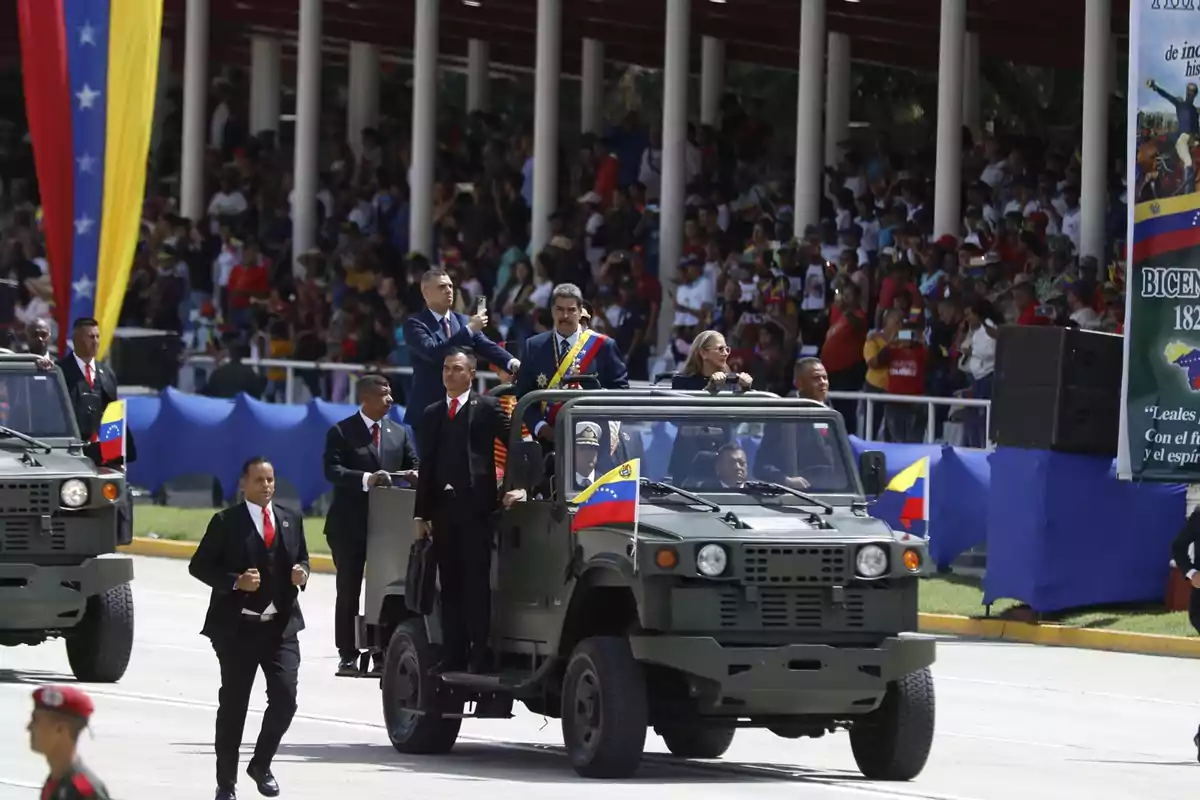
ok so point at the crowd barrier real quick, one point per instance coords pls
(1061, 531)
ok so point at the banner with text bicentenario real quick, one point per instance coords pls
(1160, 409)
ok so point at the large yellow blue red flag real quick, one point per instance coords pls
(90, 69)
(912, 484)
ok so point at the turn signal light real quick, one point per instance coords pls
(912, 560)
(666, 558)
(110, 491)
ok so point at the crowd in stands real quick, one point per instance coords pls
(886, 306)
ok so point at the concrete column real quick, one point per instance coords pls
(478, 69)
(424, 128)
(545, 120)
(265, 84)
(809, 98)
(837, 96)
(362, 97)
(947, 193)
(674, 166)
(308, 128)
(591, 89)
(195, 115)
(971, 80)
(712, 79)
(1093, 191)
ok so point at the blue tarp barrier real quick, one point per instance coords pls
(1063, 532)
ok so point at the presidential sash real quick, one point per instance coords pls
(575, 362)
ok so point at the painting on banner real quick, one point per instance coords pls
(1160, 409)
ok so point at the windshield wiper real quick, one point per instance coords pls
(767, 486)
(667, 487)
(24, 437)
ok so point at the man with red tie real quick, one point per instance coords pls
(254, 558)
(91, 387)
(366, 449)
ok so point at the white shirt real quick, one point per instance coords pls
(982, 361)
(83, 365)
(1071, 226)
(1087, 318)
(696, 295)
(256, 516)
(462, 401)
(369, 423)
(231, 204)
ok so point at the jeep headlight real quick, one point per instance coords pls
(73, 493)
(711, 560)
(872, 561)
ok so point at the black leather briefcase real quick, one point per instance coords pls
(421, 585)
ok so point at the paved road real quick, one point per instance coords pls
(1014, 721)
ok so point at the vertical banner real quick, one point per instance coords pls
(1160, 387)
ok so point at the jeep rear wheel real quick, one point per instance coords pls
(413, 706)
(892, 743)
(98, 648)
(697, 742)
(604, 709)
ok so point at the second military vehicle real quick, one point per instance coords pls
(60, 575)
(754, 591)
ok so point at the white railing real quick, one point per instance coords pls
(487, 378)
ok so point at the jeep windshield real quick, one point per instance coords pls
(34, 403)
(715, 454)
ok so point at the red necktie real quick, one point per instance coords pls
(446, 326)
(268, 529)
(87, 374)
(375, 435)
(453, 407)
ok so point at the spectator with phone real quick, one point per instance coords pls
(906, 359)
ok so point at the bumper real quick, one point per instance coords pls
(798, 679)
(36, 598)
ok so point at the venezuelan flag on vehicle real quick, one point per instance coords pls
(112, 432)
(910, 489)
(611, 500)
(90, 69)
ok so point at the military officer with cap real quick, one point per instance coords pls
(60, 713)
(587, 451)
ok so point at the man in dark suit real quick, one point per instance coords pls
(1184, 550)
(255, 559)
(433, 333)
(366, 449)
(456, 497)
(569, 349)
(91, 388)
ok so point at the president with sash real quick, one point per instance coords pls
(553, 358)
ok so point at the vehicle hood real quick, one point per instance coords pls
(58, 463)
(760, 523)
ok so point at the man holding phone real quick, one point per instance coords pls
(435, 332)
(906, 359)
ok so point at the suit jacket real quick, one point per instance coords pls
(232, 545)
(103, 392)
(348, 456)
(486, 421)
(541, 362)
(1189, 536)
(428, 345)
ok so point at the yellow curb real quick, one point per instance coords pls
(168, 548)
(947, 624)
(1061, 636)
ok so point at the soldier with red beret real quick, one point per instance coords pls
(60, 713)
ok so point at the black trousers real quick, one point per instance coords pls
(462, 547)
(1194, 609)
(253, 646)
(350, 561)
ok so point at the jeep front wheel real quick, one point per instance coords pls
(892, 743)
(697, 741)
(414, 708)
(604, 709)
(98, 648)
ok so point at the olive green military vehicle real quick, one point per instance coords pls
(756, 592)
(60, 575)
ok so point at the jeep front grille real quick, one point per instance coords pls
(32, 498)
(25, 536)
(794, 609)
(777, 566)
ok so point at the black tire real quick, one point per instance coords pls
(892, 743)
(604, 709)
(409, 687)
(98, 648)
(697, 741)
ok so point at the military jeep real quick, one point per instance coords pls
(60, 575)
(764, 597)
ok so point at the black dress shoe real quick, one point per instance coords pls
(1196, 742)
(348, 667)
(376, 666)
(264, 780)
(226, 794)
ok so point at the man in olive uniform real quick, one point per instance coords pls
(60, 713)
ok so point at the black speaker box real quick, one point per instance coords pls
(1057, 389)
(146, 357)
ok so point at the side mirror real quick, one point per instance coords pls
(526, 466)
(872, 468)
